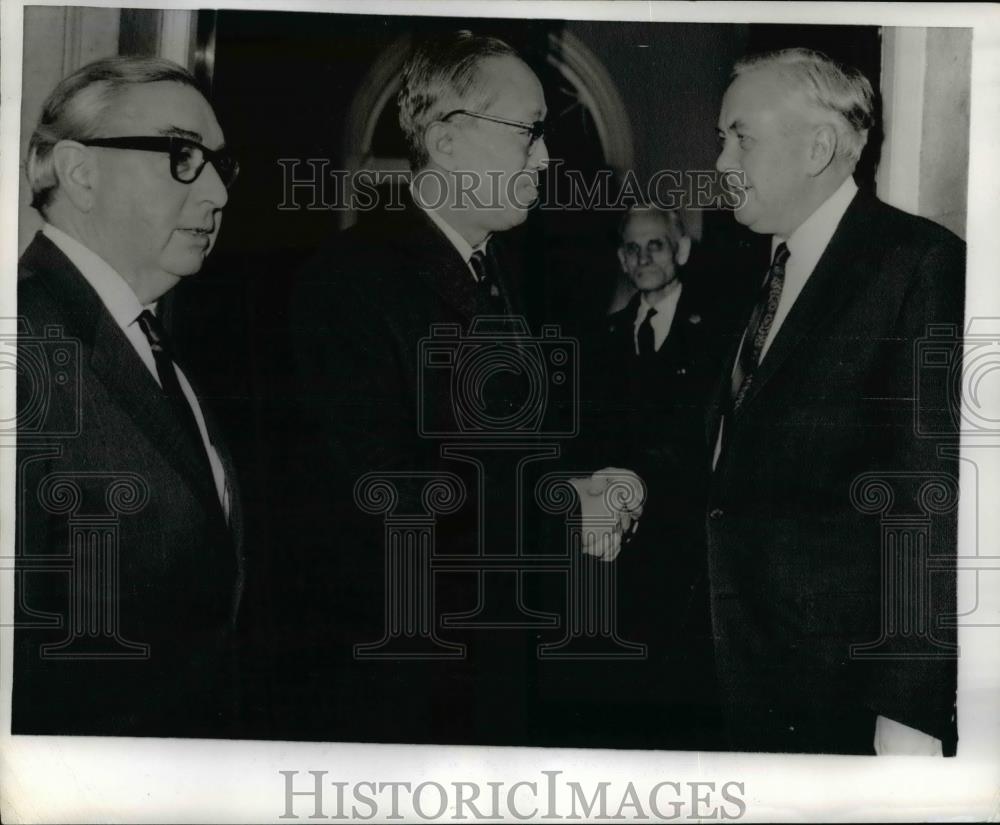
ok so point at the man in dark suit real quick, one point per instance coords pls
(128, 522)
(819, 645)
(472, 113)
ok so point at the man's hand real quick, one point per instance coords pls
(896, 739)
(610, 503)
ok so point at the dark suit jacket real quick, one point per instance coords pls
(665, 395)
(359, 311)
(118, 518)
(821, 454)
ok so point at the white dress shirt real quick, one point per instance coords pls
(806, 246)
(461, 245)
(666, 308)
(123, 305)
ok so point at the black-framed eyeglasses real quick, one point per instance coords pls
(187, 157)
(535, 129)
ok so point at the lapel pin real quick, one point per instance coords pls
(694, 319)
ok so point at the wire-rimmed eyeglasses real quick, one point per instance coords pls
(535, 129)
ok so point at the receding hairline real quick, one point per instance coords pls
(670, 220)
(483, 74)
(167, 128)
(791, 98)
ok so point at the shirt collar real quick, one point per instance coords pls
(461, 245)
(807, 243)
(113, 290)
(665, 309)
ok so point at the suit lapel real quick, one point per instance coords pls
(677, 346)
(130, 383)
(116, 363)
(511, 296)
(834, 281)
(621, 325)
(236, 518)
(438, 264)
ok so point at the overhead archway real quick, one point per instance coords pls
(585, 99)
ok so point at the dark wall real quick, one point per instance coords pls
(671, 78)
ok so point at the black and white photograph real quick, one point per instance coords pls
(505, 411)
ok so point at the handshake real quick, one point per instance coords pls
(610, 506)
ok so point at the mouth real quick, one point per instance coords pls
(742, 195)
(202, 234)
(525, 194)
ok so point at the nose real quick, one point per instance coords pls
(211, 189)
(539, 154)
(725, 160)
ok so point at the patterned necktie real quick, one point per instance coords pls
(487, 270)
(159, 343)
(758, 328)
(645, 338)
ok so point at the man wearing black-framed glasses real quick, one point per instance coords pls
(187, 157)
(128, 169)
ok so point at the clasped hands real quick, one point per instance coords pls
(610, 506)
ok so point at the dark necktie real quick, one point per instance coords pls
(159, 343)
(487, 270)
(758, 328)
(645, 337)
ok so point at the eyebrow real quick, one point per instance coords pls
(736, 125)
(177, 131)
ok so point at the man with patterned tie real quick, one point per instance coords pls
(818, 397)
(128, 520)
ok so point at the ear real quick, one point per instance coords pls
(621, 260)
(76, 172)
(823, 148)
(683, 251)
(440, 145)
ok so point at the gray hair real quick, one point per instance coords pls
(76, 109)
(672, 218)
(442, 74)
(836, 89)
